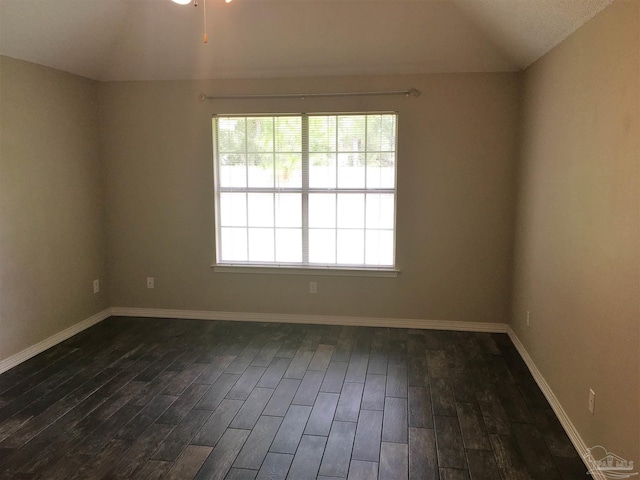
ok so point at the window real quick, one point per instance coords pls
(306, 190)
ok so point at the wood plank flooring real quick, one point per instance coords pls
(182, 399)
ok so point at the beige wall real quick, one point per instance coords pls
(456, 179)
(52, 239)
(578, 241)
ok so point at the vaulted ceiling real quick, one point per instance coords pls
(160, 40)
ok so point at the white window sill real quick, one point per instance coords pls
(321, 271)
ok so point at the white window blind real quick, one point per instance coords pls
(316, 190)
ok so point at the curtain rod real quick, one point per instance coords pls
(413, 92)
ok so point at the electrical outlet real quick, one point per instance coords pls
(151, 282)
(592, 401)
(96, 286)
(313, 287)
(528, 317)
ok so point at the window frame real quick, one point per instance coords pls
(304, 267)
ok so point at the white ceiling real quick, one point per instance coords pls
(160, 40)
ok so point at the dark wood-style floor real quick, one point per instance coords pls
(182, 399)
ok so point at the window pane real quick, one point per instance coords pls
(374, 131)
(350, 210)
(231, 135)
(322, 133)
(288, 245)
(289, 170)
(260, 134)
(351, 133)
(381, 133)
(260, 209)
(380, 211)
(233, 170)
(288, 210)
(351, 170)
(322, 246)
(289, 134)
(261, 245)
(322, 210)
(351, 246)
(233, 242)
(381, 170)
(260, 170)
(322, 170)
(379, 248)
(388, 133)
(233, 209)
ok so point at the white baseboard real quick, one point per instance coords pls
(315, 319)
(565, 421)
(40, 347)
